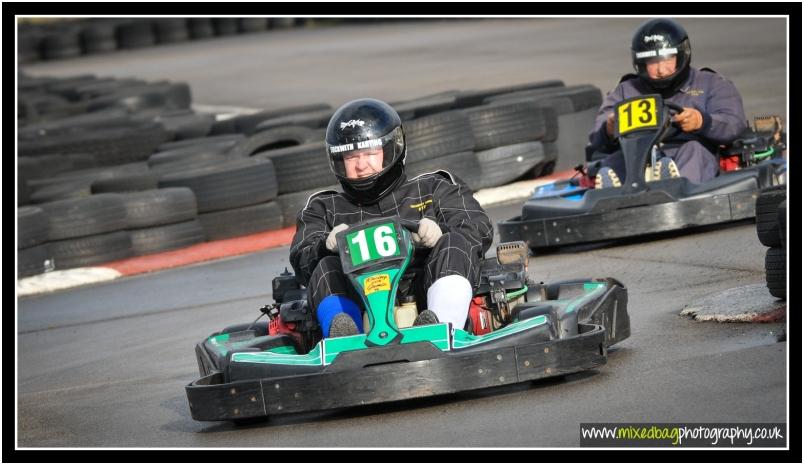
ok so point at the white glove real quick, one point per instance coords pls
(331, 243)
(429, 233)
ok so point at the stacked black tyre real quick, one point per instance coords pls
(33, 255)
(87, 231)
(86, 191)
(575, 109)
(105, 227)
(486, 138)
(234, 198)
(158, 220)
(771, 209)
(71, 38)
(140, 172)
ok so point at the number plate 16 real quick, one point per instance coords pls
(372, 243)
(637, 113)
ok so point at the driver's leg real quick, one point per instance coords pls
(694, 161)
(451, 273)
(331, 295)
(611, 170)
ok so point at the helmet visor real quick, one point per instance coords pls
(367, 158)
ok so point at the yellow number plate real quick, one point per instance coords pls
(637, 114)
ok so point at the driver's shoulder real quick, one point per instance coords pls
(321, 197)
(435, 176)
(627, 77)
(707, 76)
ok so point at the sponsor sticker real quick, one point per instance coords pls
(377, 283)
(367, 144)
(422, 206)
(341, 148)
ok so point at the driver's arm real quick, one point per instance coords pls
(309, 242)
(723, 117)
(599, 138)
(456, 207)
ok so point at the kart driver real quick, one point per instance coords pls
(713, 109)
(365, 145)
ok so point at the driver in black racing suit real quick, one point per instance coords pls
(366, 150)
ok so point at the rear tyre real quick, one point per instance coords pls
(776, 272)
(767, 215)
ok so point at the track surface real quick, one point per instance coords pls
(106, 366)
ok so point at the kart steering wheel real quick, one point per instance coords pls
(674, 109)
(410, 225)
(674, 106)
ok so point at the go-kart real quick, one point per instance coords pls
(517, 331)
(569, 212)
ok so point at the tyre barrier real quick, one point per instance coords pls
(73, 38)
(114, 168)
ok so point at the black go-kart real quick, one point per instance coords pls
(517, 330)
(567, 212)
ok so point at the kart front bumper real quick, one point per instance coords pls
(383, 374)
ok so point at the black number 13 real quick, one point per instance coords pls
(646, 116)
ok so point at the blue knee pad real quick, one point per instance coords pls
(334, 304)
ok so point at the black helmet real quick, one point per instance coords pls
(364, 124)
(659, 38)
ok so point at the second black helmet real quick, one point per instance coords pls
(657, 39)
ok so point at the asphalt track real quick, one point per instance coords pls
(106, 365)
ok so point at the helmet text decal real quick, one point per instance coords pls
(352, 123)
(341, 148)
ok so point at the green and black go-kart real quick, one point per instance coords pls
(565, 212)
(518, 331)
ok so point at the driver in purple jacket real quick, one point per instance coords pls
(713, 109)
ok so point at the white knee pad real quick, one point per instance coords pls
(449, 298)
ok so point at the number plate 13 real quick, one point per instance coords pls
(638, 113)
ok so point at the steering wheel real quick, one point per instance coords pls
(674, 106)
(674, 109)
(410, 225)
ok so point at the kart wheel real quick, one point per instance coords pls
(776, 272)
(767, 216)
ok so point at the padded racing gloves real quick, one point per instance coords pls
(332, 244)
(429, 233)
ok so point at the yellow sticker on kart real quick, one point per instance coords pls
(381, 282)
(637, 114)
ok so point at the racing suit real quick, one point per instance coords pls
(467, 234)
(694, 152)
